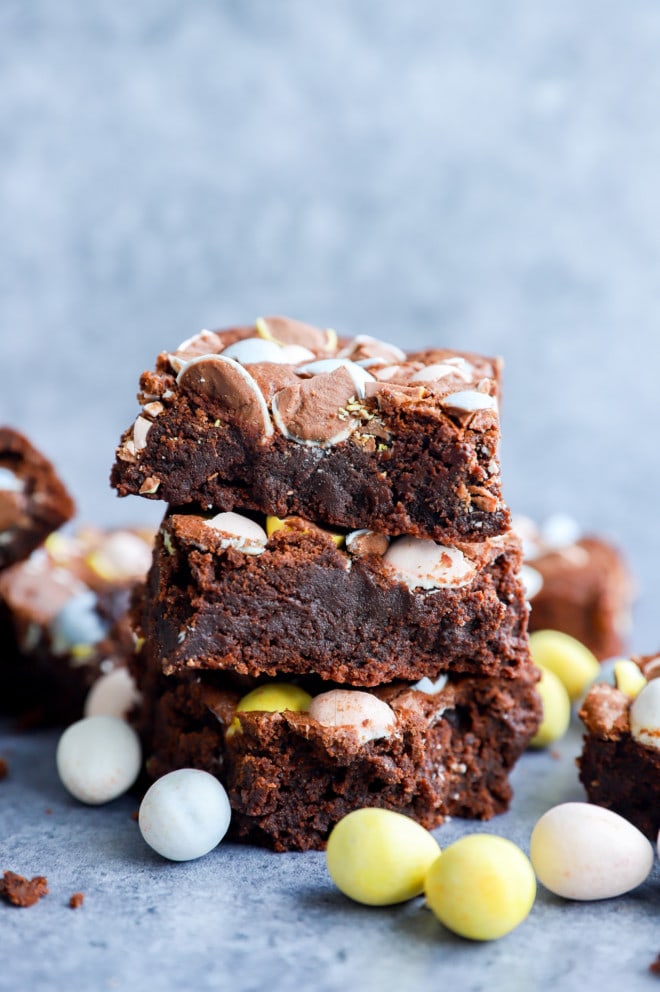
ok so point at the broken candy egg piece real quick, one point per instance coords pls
(314, 411)
(441, 370)
(294, 333)
(370, 717)
(252, 350)
(239, 532)
(141, 428)
(363, 346)
(628, 677)
(645, 715)
(224, 380)
(423, 564)
(469, 401)
(366, 542)
(359, 375)
(429, 687)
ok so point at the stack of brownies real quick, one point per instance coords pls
(334, 539)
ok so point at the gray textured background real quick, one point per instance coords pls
(476, 174)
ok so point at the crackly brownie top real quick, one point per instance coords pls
(285, 377)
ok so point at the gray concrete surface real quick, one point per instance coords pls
(475, 174)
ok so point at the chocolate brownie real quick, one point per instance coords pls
(446, 750)
(617, 770)
(285, 419)
(64, 616)
(222, 594)
(580, 585)
(33, 499)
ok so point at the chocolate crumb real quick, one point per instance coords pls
(48, 811)
(22, 891)
(135, 814)
(76, 900)
(4, 769)
(654, 967)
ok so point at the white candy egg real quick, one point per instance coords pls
(98, 758)
(252, 350)
(645, 715)
(184, 814)
(582, 851)
(113, 694)
(370, 717)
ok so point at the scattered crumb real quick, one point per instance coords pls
(22, 891)
(76, 900)
(135, 814)
(48, 811)
(4, 769)
(556, 755)
(654, 967)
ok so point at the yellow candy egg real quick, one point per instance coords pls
(570, 660)
(275, 697)
(556, 710)
(628, 677)
(379, 857)
(481, 887)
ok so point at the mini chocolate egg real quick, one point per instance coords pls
(582, 851)
(98, 758)
(481, 887)
(379, 857)
(184, 814)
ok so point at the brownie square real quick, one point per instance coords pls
(616, 770)
(290, 778)
(586, 590)
(64, 616)
(33, 499)
(304, 605)
(285, 419)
